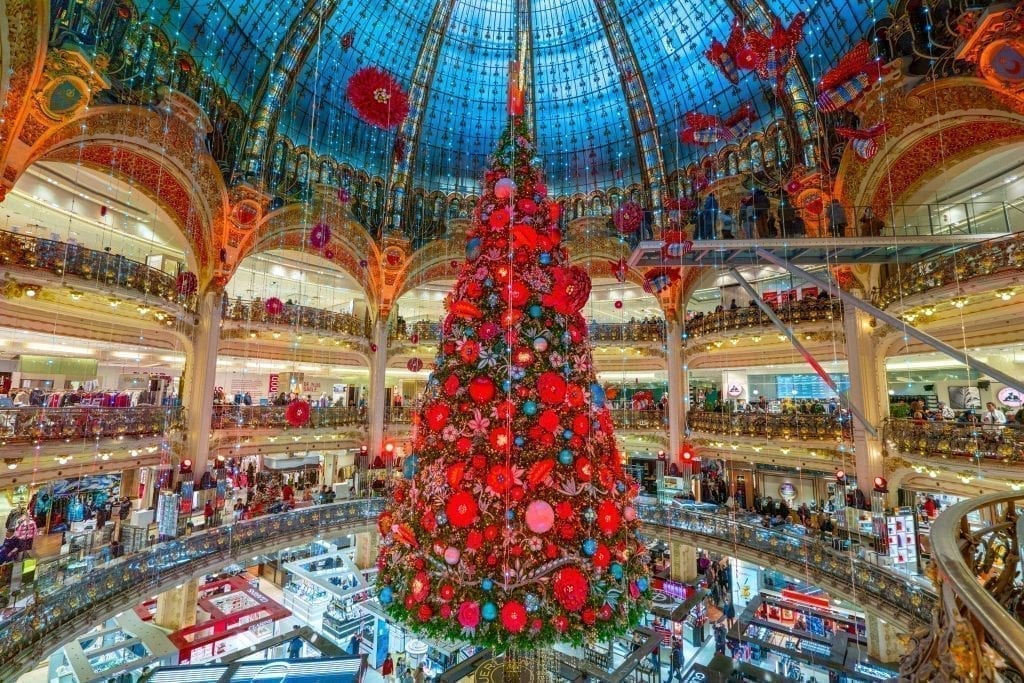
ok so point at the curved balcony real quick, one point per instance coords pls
(35, 424)
(791, 313)
(801, 426)
(977, 442)
(254, 312)
(980, 260)
(636, 332)
(273, 417)
(57, 618)
(978, 633)
(106, 270)
(900, 599)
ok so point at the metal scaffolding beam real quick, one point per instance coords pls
(851, 300)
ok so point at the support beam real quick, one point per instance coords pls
(638, 101)
(808, 358)
(201, 374)
(676, 384)
(378, 370)
(419, 89)
(850, 300)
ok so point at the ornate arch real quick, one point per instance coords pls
(23, 34)
(156, 150)
(934, 127)
(350, 246)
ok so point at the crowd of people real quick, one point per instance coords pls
(756, 219)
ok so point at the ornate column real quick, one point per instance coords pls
(378, 370)
(201, 380)
(868, 392)
(884, 642)
(683, 566)
(366, 549)
(676, 384)
(176, 608)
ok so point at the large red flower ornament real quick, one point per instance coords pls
(628, 218)
(569, 291)
(608, 517)
(551, 388)
(461, 509)
(297, 413)
(378, 97)
(437, 416)
(513, 616)
(571, 589)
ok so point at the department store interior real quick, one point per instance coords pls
(543, 339)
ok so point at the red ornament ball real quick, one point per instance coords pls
(424, 612)
(482, 389)
(186, 284)
(551, 388)
(273, 306)
(571, 589)
(461, 509)
(618, 304)
(560, 623)
(414, 365)
(589, 616)
(297, 413)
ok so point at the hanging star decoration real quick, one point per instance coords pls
(864, 141)
(705, 129)
(847, 81)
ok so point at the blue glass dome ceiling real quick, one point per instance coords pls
(583, 126)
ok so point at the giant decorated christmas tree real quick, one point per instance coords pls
(513, 524)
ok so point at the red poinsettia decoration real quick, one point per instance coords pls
(608, 517)
(437, 416)
(186, 284)
(461, 509)
(569, 291)
(571, 589)
(551, 388)
(297, 413)
(378, 97)
(513, 616)
(628, 218)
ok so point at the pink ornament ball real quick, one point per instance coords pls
(504, 188)
(540, 517)
(452, 555)
(629, 513)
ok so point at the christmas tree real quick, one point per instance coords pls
(512, 525)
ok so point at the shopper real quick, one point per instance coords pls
(10, 548)
(419, 676)
(406, 675)
(387, 668)
(675, 669)
(729, 611)
(295, 645)
(208, 514)
(837, 218)
(353, 644)
(116, 549)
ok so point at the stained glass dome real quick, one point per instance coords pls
(582, 52)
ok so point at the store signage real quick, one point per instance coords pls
(260, 625)
(272, 385)
(257, 596)
(735, 390)
(1009, 396)
(787, 490)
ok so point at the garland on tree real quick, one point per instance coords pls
(512, 526)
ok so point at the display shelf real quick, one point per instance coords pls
(820, 621)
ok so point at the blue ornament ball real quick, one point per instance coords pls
(506, 386)
(519, 441)
(641, 583)
(473, 249)
(565, 457)
(540, 344)
(620, 487)
(510, 515)
(410, 465)
(386, 595)
(530, 408)
(489, 611)
(590, 547)
(486, 584)
(597, 395)
(616, 570)
(536, 311)
(544, 258)
(567, 434)
(441, 518)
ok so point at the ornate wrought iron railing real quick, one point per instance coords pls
(274, 417)
(88, 265)
(56, 618)
(855, 576)
(978, 633)
(949, 439)
(1005, 254)
(34, 424)
(801, 426)
(790, 312)
(306, 318)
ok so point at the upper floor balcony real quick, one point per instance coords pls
(89, 269)
(972, 442)
(253, 312)
(35, 424)
(727, 322)
(822, 427)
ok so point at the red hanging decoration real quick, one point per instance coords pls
(414, 364)
(705, 129)
(297, 413)
(378, 97)
(774, 54)
(628, 218)
(273, 306)
(320, 235)
(863, 141)
(657, 280)
(186, 284)
(844, 84)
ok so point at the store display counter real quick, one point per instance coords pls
(807, 613)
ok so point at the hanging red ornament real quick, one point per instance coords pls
(618, 304)
(320, 235)
(571, 589)
(551, 388)
(513, 616)
(378, 97)
(329, 254)
(628, 218)
(451, 385)
(414, 365)
(419, 588)
(481, 389)
(273, 306)
(186, 284)
(569, 291)
(297, 413)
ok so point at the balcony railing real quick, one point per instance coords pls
(987, 258)
(71, 609)
(293, 315)
(34, 424)
(887, 588)
(101, 267)
(948, 438)
(273, 417)
(805, 427)
(649, 331)
(978, 627)
(790, 312)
